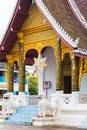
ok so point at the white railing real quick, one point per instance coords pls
(26, 99)
(65, 100)
(68, 100)
(78, 13)
(83, 98)
(32, 100)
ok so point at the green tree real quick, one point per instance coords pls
(33, 85)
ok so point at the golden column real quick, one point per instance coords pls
(9, 73)
(58, 66)
(75, 73)
(21, 62)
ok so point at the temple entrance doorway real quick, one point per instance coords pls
(67, 84)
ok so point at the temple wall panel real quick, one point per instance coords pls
(37, 33)
(84, 67)
(35, 18)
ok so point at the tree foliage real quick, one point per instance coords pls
(33, 85)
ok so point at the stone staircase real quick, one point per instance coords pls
(23, 115)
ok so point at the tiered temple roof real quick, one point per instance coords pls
(68, 18)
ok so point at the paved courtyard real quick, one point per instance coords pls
(27, 127)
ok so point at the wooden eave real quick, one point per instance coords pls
(20, 13)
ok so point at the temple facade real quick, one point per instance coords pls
(52, 29)
(38, 37)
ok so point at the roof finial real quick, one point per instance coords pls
(77, 42)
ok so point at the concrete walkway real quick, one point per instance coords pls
(27, 127)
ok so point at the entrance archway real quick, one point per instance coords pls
(30, 76)
(49, 74)
(29, 57)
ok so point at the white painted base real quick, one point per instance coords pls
(83, 124)
(74, 117)
(71, 120)
(45, 121)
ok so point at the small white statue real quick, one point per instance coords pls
(6, 105)
(10, 104)
(47, 108)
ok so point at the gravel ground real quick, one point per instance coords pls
(27, 127)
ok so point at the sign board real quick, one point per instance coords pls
(46, 84)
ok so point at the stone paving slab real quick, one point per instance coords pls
(27, 127)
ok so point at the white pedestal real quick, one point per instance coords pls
(45, 121)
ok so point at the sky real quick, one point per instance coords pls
(6, 12)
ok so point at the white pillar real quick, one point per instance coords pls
(40, 80)
(15, 88)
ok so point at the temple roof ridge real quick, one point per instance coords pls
(64, 23)
(58, 28)
(80, 17)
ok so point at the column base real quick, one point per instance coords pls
(15, 93)
(26, 93)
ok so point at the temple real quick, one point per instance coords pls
(56, 30)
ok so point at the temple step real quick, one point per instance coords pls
(23, 115)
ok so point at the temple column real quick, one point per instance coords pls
(58, 66)
(75, 73)
(10, 73)
(75, 80)
(21, 63)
